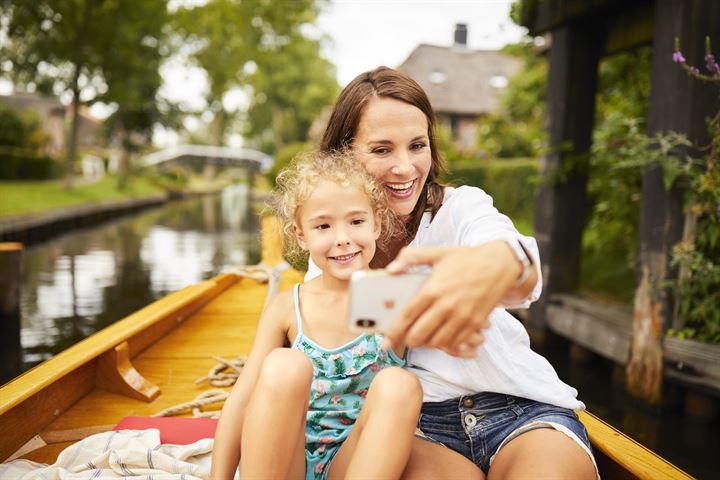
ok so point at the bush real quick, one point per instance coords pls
(512, 183)
(20, 164)
(283, 157)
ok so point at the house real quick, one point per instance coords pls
(53, 115)
(463, 84)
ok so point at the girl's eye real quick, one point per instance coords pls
(358, 221)
(322, 226)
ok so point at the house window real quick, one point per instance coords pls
(498, 81)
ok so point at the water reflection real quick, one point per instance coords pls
(83, 281)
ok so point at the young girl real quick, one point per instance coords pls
(311, 410)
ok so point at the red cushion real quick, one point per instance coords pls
(174, 430)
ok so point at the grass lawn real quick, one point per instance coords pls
(24, 197)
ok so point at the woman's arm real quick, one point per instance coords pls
(451, 309)
(271, 334)
(479, 273)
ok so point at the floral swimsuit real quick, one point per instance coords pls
(341, 378)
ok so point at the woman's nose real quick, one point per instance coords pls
(402, 164)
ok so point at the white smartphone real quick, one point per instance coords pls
(377, 298)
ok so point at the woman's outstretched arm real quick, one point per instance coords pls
(271, 334)
(467, 283)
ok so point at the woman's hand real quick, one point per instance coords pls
(451, 309)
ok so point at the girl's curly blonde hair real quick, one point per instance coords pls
(297, 181)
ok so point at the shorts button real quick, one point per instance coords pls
(468, 403)
(470, 421)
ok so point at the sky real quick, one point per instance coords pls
(369, 33)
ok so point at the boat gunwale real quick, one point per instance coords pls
(50, 371)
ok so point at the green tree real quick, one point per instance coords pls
(62, 46)
(132, 71)
(517, 130)
(261, 47)
(291, 87)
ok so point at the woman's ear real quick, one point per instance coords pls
(300, 236)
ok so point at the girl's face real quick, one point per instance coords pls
(337, 226)
(392, 141)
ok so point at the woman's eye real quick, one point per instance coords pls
(417, 146)
(381, 150)
(358, 221)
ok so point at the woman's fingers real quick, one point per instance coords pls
(410, 257)
(412, 311)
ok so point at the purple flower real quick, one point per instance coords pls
(677, 57)
(694, 70)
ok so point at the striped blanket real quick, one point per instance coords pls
(137, 454)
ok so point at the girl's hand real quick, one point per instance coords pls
(451, 309)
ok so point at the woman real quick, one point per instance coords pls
(493, 400)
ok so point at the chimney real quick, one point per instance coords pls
(461, 35)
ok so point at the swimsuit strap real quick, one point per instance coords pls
(297, 310)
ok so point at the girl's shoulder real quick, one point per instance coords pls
(280, 309)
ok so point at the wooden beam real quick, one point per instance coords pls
(561, 205)
(677, 103)
(10, 273)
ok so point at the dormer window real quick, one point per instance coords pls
(437, 77)
(498, 81)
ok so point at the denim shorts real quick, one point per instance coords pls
(477, 426)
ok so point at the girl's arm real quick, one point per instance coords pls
(271, 334)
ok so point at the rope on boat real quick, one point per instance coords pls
(207, 397)
(219, 376)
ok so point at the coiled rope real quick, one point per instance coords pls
(226, 372)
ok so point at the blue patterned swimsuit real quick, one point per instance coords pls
(341, 378)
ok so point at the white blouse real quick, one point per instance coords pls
(504, 363)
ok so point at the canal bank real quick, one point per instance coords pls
(33, 228)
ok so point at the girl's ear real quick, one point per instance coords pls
(300, 236)
(378, 228)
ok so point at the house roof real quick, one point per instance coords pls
(459, 80)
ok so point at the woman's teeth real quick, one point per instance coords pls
(399, 187)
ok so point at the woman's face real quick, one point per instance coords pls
(392, 142)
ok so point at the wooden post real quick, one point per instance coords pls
(10, 273)
(561, 205)
(677, 103)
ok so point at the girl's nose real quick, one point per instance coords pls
(342, 238)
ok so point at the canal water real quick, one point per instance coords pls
(82, 281)
(85, 280)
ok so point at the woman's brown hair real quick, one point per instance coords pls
(345, 118)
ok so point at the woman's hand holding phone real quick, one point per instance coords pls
(451, 309)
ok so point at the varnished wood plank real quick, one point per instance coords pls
(632, 457)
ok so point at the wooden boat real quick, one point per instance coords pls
(150, 361)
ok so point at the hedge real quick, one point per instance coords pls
(20, 164)
(512, 184)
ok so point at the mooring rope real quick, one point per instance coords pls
(226, 372)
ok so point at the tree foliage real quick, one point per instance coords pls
(76, 47)
(265, 50)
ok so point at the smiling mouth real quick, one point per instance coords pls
(344, 259)
(401, 190)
